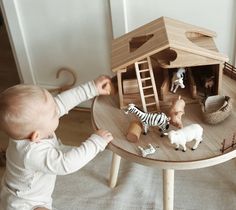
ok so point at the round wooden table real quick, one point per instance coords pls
(106, 114)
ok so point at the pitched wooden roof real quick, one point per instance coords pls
(159, 35)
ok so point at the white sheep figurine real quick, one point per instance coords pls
(186, 134)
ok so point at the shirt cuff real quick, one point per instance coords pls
(98, 140)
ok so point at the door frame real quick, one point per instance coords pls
(118, 17)
(16, 36)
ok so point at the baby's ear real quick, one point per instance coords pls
(34, 136)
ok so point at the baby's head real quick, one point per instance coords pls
(28, 112)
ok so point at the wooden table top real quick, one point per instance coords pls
(106, 114)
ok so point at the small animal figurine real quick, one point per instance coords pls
(186, 134)
(176, 112)
(147, 151)
(150, 119)
(177, 80)
(209, 85)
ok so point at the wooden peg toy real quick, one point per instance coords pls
(134, 131)
(109, 87)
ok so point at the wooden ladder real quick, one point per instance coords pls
(147, 85)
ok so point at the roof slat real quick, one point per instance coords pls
(167, 33)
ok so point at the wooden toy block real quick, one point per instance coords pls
(130, 86)
(134, 131)
(109, 87)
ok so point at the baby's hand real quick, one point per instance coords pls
(104, 134)
(103, 85)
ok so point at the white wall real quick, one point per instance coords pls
(218, 16)
(57, 33)
(49, 34)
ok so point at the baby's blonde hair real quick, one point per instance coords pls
(19, 108)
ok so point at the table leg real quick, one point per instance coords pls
(115, 165)
(168, 189)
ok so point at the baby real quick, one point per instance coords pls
(30, 116)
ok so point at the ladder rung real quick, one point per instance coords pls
(141, 62)
(147, 78)
(144, 70)
(151, 104)
(148, 96)
(147, 87)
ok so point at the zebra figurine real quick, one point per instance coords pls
(150, 119)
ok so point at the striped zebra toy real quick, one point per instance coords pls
(150, 119)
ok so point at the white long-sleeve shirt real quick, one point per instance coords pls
(32, 167)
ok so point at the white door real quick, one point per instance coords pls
(47, 35)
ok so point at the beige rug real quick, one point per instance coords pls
(140, 188)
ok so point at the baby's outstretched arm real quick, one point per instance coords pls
(51, 159)
(71, 98)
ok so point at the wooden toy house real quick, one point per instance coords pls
(145, 59)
